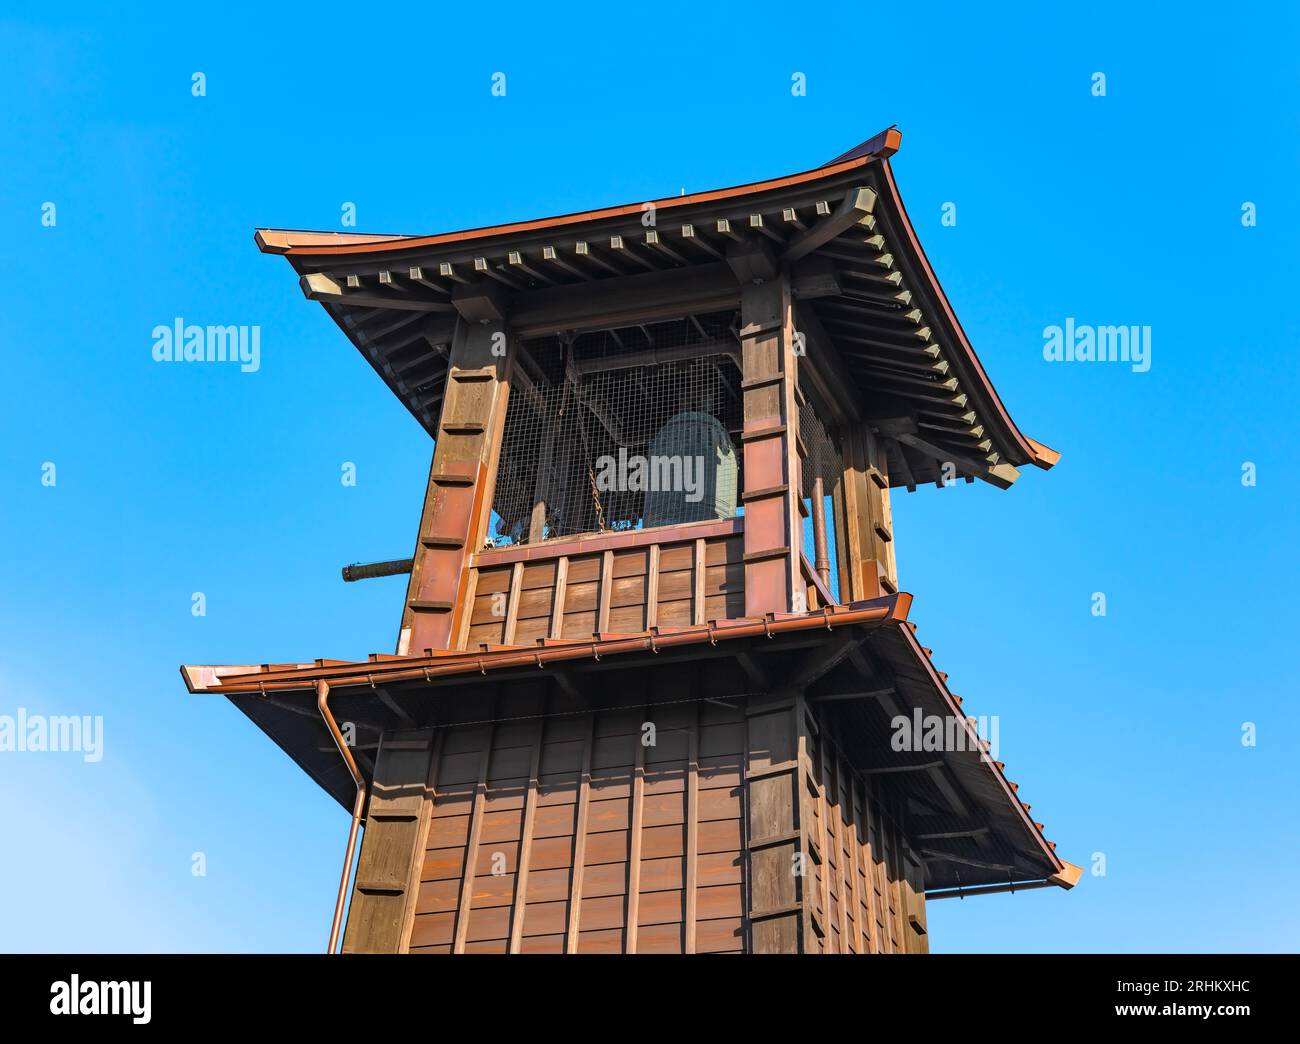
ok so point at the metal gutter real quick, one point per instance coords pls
(1067, 879)
(422, 668)
(325, 676)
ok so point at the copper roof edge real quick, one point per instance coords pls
(1020, 448)
(1068, 876)
(994, 767)
(306, 242)
(247, 679)
(207, 678)
(1034, 452)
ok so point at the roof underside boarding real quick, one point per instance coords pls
(860, 663)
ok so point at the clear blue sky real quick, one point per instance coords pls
(1123, 731)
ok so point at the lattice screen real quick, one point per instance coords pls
(620, 429)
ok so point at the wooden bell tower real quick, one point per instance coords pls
(653, 661)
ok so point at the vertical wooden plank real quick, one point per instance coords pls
(879, 878)
(512, 603)
(692, 827)
(870, 905)
(812, 941)
(849, 802)
(819, 776)
(557, 607)
(652, 588)
(580, 839)
(841, 859)
(471, 847)
(914, 878)
(775, 895)
(422, 837)
(697, 606)
(900, 905)
(634, 840)
(526, 838)
(892, 927)
(461, 635)
(606, 590)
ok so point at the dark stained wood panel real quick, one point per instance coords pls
(673, 825)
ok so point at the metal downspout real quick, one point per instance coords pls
(322, 703)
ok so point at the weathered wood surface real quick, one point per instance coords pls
(677, 823)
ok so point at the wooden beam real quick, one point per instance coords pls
(317, 286)
(814, 277)
(458, 495)
(751, 260)
(625, 300)
(856, 205)
(773, 524)
(825, 659)
(482, 301)
(835, 697)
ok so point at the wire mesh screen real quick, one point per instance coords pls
(621, 429)
(823, 460)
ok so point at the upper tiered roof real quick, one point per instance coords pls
(883, 342)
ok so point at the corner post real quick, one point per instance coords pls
(458, 499)
(773, 526)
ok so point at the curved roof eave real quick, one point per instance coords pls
(300, 243)
(301, 247)
(1033, 451)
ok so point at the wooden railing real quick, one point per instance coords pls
(673, 576)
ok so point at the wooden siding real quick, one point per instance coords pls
(866, 885)
(569, 834)
(615, 590)
(397, 816)
(742, 827)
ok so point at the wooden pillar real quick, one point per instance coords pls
(773, 527)
(388, 868)
(777, 889)
(868, 533)
(459, 495)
